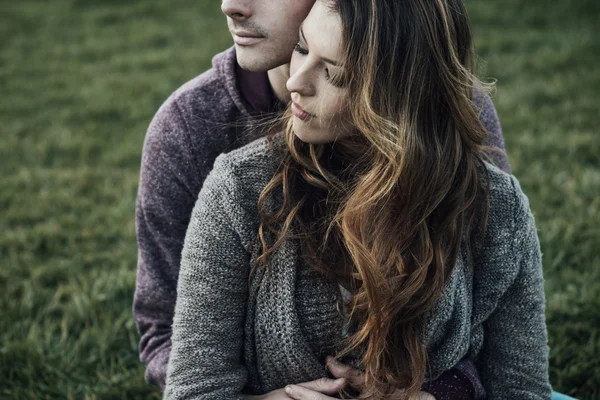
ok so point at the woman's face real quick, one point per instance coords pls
(319, 101)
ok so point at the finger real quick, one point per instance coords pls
(426, 396)
(325, 385)
(303, 393)
(341, 370)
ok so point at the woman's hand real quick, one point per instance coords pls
(354, 378)
(319, 387)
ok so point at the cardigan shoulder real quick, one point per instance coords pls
(248, 169)
(499, 253)
(236, 182)
(505, 190)
(260, 157)
(510, 216)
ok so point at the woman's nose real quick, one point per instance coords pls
(301, 81)
(238, 10)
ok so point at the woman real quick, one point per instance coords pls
(370, 229)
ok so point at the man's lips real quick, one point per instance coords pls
(243, 38)
(299, 112)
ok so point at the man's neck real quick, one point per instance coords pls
(278, 78)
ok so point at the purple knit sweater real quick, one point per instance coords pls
(211, 114)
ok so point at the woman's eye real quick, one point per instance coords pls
(300, 49)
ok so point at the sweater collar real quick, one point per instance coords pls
(256, 91)
(251, 92)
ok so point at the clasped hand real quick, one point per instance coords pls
(323, 388)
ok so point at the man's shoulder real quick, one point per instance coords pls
(196, 121)
(212, 96)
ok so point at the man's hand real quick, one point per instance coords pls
(319, 387)
(354, 378)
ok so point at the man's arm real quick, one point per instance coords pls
(459, 383)
(169, 184)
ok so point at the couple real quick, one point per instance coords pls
(359, 243)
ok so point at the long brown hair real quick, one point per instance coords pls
(385, 211)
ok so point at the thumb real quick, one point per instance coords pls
(339, 370)
(325, 385)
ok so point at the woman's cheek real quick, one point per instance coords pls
(342, 112)
(338, 108)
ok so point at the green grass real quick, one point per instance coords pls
(80, 81)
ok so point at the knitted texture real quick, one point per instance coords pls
(209, 115)
(231, 338)
(460, 383)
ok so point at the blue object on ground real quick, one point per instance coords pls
(560, 396)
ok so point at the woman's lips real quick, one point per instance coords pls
(299, 112)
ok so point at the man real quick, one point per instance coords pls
(213, 113)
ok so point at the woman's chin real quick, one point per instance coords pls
(308, 136)
(302, 135)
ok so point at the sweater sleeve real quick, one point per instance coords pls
(489, 118)
(513, 362)
(459, 383)
(208, 326)
(169, 185)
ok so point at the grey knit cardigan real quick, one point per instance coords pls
(233, 337)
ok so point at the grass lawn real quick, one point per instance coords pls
(80, 81)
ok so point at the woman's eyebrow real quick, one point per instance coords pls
(327, 60)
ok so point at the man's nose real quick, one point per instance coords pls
(238, 10)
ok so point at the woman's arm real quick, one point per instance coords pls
(513, 362)
(208, 326)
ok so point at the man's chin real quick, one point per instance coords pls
(255, 60)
